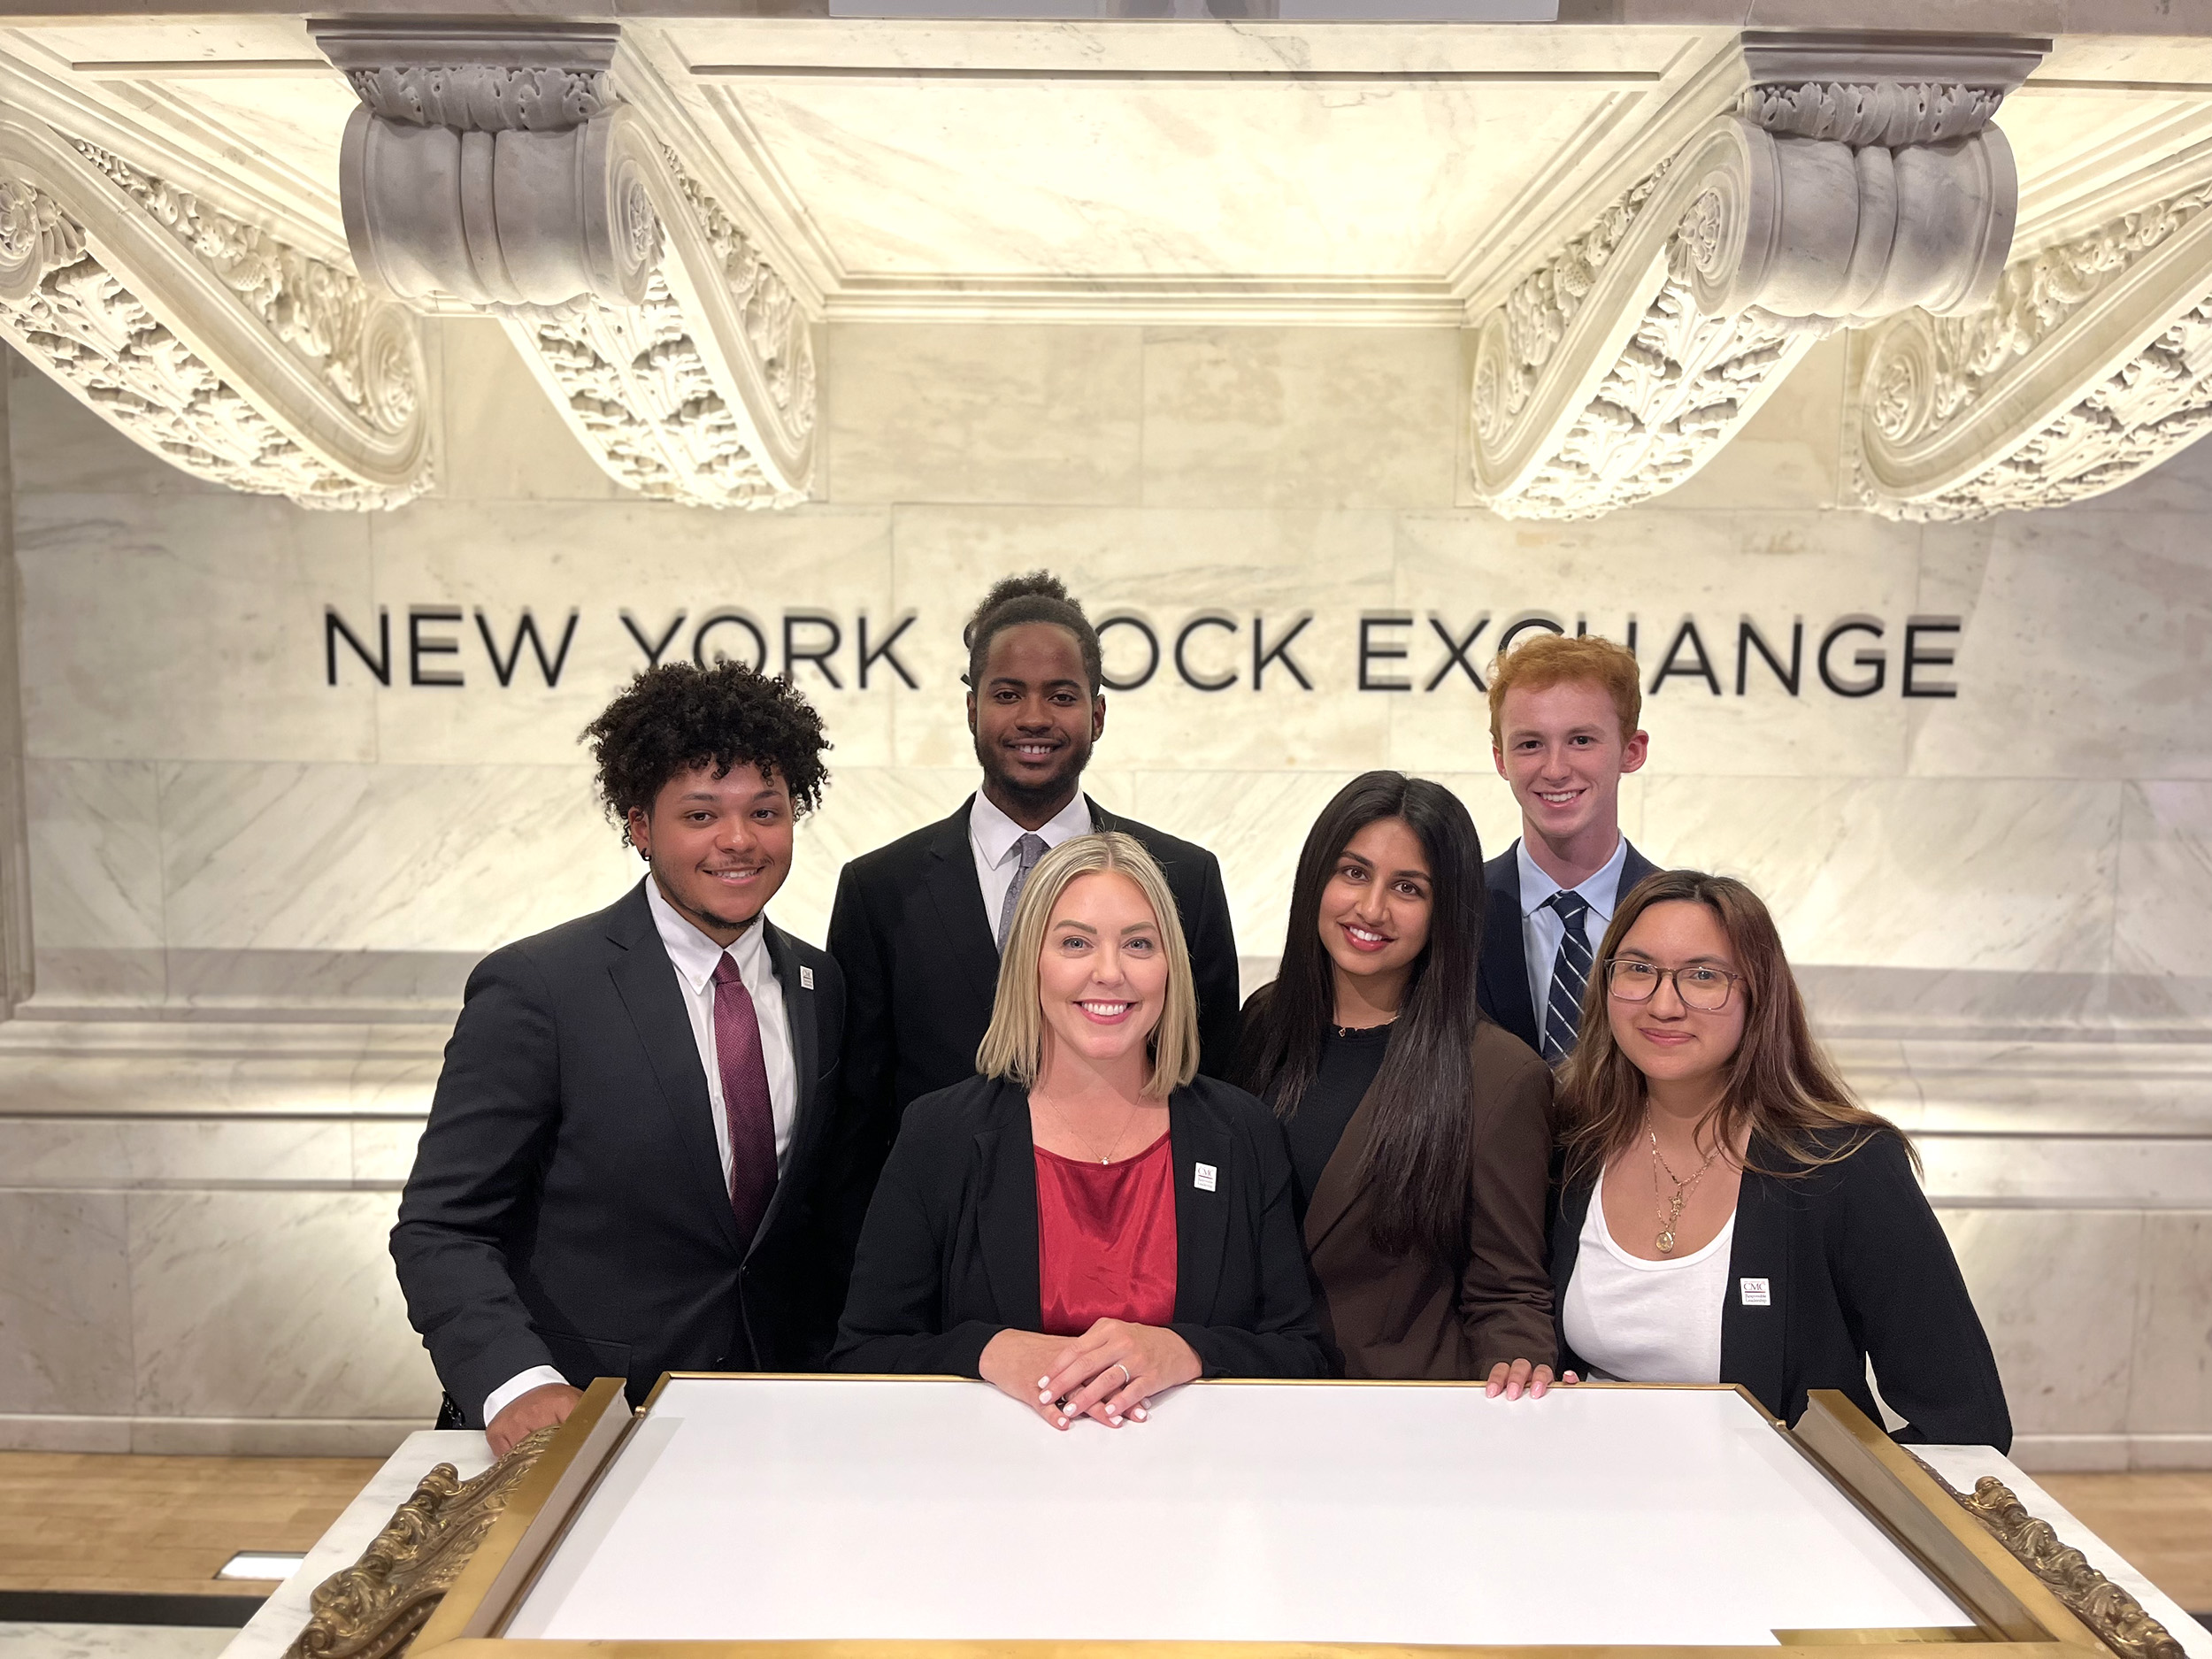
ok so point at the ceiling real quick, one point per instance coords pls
(1164, 171)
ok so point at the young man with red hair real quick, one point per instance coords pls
(1563, 732)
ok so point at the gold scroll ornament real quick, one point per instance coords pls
(372, 1608)
(2117, 1618)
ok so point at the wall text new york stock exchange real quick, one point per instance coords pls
(1414, 651)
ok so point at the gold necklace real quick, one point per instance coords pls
(1682, 1188)
(1089, 1146)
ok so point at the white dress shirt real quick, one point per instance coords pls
(1542, 927)
(993, 837)
(694, 956)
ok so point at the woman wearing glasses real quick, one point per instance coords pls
(1730, 1213)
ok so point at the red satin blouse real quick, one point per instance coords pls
(1106, 1239)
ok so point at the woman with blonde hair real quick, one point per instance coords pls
(1086, 1222)
(1730, 1213)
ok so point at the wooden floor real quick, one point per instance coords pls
(2161, 1523)
(165, 1525)
(160, 1525)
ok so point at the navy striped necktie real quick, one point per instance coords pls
(1569, 973)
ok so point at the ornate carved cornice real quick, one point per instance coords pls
(497, 167)
(2091, 365)
(204, 339)
(2118, 1619)
(374, 1609)
(1624, 363)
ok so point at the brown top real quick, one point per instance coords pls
(1416, 1316)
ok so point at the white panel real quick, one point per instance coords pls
(744, 1509)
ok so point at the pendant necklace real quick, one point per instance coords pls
(1682, 1188)
(1089, 1145)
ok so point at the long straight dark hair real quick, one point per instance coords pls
(1419, 1160)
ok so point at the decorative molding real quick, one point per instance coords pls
(2091, 365)
(374, 1609)
(1620, 367)
(518, 184)
(1888, 114)
(207, 340)
(2117, 1617)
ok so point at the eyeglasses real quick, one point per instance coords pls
(1700, 985)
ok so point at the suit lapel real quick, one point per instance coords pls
(1339, 1186)
(1201, 1214)
(1006, 1210)
(1504, 956)
(1634, 868)
(1752, 1350)
(646, 982)
(808, 1114)
(961, 929)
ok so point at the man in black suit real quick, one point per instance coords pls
(632, 1163)
(918, 925)
(1562, 732)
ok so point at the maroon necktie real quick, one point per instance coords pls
(745, 1102)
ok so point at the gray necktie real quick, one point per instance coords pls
(1031, 848)
(1571, 972)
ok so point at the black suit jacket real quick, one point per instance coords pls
(567, 1205)
(948, 1257)
(921, 965)
(1502, 982)
(1855, 1268)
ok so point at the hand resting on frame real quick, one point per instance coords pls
(1088, 1373)
(1511, 1379)
(525, 1414)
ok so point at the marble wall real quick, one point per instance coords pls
(254, 893)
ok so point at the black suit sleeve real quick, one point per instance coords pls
(1907, 1305)
(1212, 937)
(1282, 1340)
(492, 1119)
(867, 1113)
(894, 1308)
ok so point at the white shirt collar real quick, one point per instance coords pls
(1601, 891)
(995, 833)
(695, 955)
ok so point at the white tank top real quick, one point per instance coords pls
(1637, 1321)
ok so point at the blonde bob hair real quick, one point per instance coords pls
(1014, 1046)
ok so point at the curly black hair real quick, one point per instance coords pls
(672, 719)
(1040, 597)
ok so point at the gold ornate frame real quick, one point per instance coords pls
(455, 1562)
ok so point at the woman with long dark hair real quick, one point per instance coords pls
(1731, 1213)
(1418, 1127)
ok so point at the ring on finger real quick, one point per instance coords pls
(1125, 1377)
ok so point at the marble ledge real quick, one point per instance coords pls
(270, 1632)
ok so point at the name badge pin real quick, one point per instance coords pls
(806, 978)
(1203, 1178)
(1754, 1292)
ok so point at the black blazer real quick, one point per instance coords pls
(1855, 1268)
(567, 1206)
(921, 965)
(949, 1257)
(1501, 982)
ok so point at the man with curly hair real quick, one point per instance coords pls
(632, 1162)
(918, 924)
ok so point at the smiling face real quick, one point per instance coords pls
(1665, 1039)
(1375, 909)
(1034, 719)
(1102, 981)
(1563, 754)
(719, 846)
